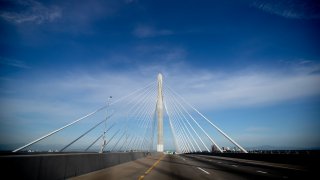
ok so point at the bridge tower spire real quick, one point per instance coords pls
(160, 114)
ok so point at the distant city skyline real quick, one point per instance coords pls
(252, 66)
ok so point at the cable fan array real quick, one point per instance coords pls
(129, 124)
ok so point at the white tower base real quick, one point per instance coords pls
(159, 147)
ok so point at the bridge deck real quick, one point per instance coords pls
(196, 167)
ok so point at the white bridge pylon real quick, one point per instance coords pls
(160, 114)
(131, 122)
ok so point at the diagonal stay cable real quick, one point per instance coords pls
(183, 133)
(98, 138)
(184, 117)
(118, 142)
(79, 119)
(84, 133)
(200, 127)
(223, 133)
(181, 144)
(112, 138)
(172, 130)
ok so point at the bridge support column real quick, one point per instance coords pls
(160, 114)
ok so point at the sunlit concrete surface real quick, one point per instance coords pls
(197, 167)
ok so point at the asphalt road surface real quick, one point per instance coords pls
(198, 167)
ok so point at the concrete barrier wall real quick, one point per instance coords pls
(61, 166)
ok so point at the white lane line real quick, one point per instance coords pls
(184, 159)
(203, 170)
(234, 165)
(219, 162)
(285, 166)
(263, 172)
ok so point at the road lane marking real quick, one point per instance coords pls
(219, 162)
(150, 169)
(234, 165)
(203, 170)
(263, 172)
(255, 162)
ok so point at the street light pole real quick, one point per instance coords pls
(105, 128)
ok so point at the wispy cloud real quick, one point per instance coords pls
(295, 9)
(257, 129)
(78, 92)
(205, 89)
(252, 89)
(31, 11)
(247, 88)
(161, 53)
(148, 31)
(13, 63)
(129, 1)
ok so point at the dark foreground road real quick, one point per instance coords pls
(164, 167)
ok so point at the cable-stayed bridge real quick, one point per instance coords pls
(139, 127)
(135, 123)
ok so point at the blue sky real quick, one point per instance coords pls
(252, 66)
